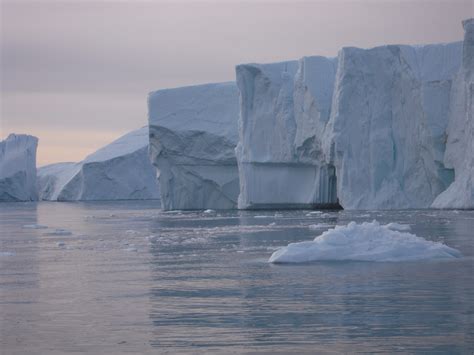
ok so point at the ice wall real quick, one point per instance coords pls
(193, 134)
(118, 171)
(460, 132)
(18, 168)
(386, 135)
(284, 110)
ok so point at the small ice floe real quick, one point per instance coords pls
(7, 253)
(319, 226)
(261, 216)
(272, 224)
(364, 242)
(398, 227)
(59, 232)
(209, 211)
(313, 213)
(35, 226)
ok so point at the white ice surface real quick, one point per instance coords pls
(193, 133)
(284, 110)
(119, 171)
(368, 241)
(386, 135)
(460, 132)
(18, 168)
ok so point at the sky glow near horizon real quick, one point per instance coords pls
(77, 73)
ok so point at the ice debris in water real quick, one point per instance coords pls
(7, 253)
(319, 226)
(35, 226)
(368, 241)
(398, 227)
(59, 232)
(209, 211)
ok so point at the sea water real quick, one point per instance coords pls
(117, 277)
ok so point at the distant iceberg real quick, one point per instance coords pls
(364, 242)
(193, 134)
(18, 168)
(119, 171)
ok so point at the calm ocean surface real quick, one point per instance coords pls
(126, 277)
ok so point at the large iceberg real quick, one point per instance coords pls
(284, 111)
(364, 242)
(388, 122)
(18, 168)
(118, 171)
(460, 132)
(193, 134)
(365, 130)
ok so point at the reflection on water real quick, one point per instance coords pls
(131, 278)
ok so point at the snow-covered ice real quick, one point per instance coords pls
(193, 134)
(368, 241)
(18, 168)
(119, 171)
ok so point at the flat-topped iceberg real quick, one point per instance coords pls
(119, 171)
(284, 110)
(18, 168)
(386, 135)
(193, 134)
(369, 241)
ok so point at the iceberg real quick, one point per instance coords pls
(386, 135)
(193, 134)
(118, 171)
(369, 241)
(460, 131)
(18, 168)
(389, 127)
(284, 111)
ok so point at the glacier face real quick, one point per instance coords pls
(193, 134)
(460, 132)
(118, 171)
(18, 168)
(386, 134)
(284, 111)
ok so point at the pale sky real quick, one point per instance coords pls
(76, 73)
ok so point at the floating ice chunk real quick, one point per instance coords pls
(59, 232)
(363, 242)
(312, 213)
(208, 211)
(261, 216)
(319, 226)
(35, 226)
(398, 227)
(7, 253)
